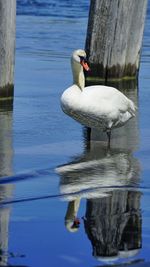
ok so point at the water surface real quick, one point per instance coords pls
(49, 173)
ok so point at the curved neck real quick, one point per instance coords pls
(72, 209)
(78, 74)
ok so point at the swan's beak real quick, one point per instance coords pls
(85, 64)
(76, 223)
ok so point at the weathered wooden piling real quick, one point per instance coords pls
(7, 48)
(114, 38)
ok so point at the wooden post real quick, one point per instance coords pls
(114, 38)
(7, 47)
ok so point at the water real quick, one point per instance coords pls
(48, 172)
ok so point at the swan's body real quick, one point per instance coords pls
(95, 106)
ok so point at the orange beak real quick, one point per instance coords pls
(76, 223)
(85, 65)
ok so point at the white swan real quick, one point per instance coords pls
(95, 106)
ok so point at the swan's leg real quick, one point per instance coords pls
(108, 131)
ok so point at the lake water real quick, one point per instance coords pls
(49, 173)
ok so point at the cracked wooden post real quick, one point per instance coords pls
(7, 48)
(114, 38)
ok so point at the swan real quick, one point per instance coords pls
(96, 106)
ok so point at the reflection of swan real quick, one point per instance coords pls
(98, 172)
(95, 106)
(71, 221)
(109, 182)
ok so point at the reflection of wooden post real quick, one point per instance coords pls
(113, 224)
(4, 224)
(114, 38)
(5, 189)
(7, 47)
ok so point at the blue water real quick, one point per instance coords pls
(47, 168)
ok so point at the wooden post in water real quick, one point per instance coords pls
(7, 48)
(114, 38)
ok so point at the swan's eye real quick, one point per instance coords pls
(84, 63)
(82, 58)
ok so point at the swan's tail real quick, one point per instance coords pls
(132, 108)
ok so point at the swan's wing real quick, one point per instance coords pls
(106, 100)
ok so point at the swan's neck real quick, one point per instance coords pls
(72, 209)
(78, 75)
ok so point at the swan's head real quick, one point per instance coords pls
(79, 56)
(72, 225)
